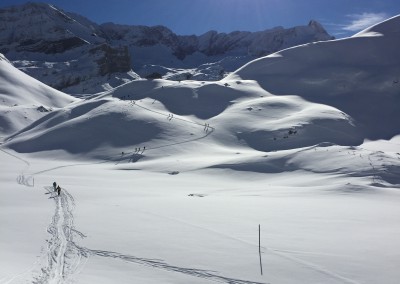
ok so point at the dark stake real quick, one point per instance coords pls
(259, 246)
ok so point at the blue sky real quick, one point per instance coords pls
(339, 17)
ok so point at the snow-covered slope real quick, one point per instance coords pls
(23, 99)
(359, 75)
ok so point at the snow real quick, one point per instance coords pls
(167, 181)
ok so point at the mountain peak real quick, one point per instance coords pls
(316, 26)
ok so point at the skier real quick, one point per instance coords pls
(54, 186)
(58, 190)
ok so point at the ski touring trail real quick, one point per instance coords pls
(63, 257)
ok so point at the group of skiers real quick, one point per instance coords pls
(137, 150)
(57, 188)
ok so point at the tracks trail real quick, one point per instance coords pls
(63, 257)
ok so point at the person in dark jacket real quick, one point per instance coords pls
(58, 190)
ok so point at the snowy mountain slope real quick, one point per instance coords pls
(23, 99)
(159, 46)
(61, 49)
(358, 75)
(44, 29)
(211, 44)
(73, 54)
(167, 182)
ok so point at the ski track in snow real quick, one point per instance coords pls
(281, 253)
(22, 178)
(131, 156)
(65, 259)
(63, 256)
(205, 274)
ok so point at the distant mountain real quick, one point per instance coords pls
(73, 54)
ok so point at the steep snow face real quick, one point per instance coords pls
(18, 88)
(23, 99)
(358, 75)
(71, 53)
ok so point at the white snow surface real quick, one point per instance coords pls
(167, 181)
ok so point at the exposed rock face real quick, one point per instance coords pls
(112, 59)
(73, 54)
(49, 47)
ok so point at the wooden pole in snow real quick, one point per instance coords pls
(259, 246)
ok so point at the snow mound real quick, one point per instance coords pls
(279, 123)
(103, 129)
